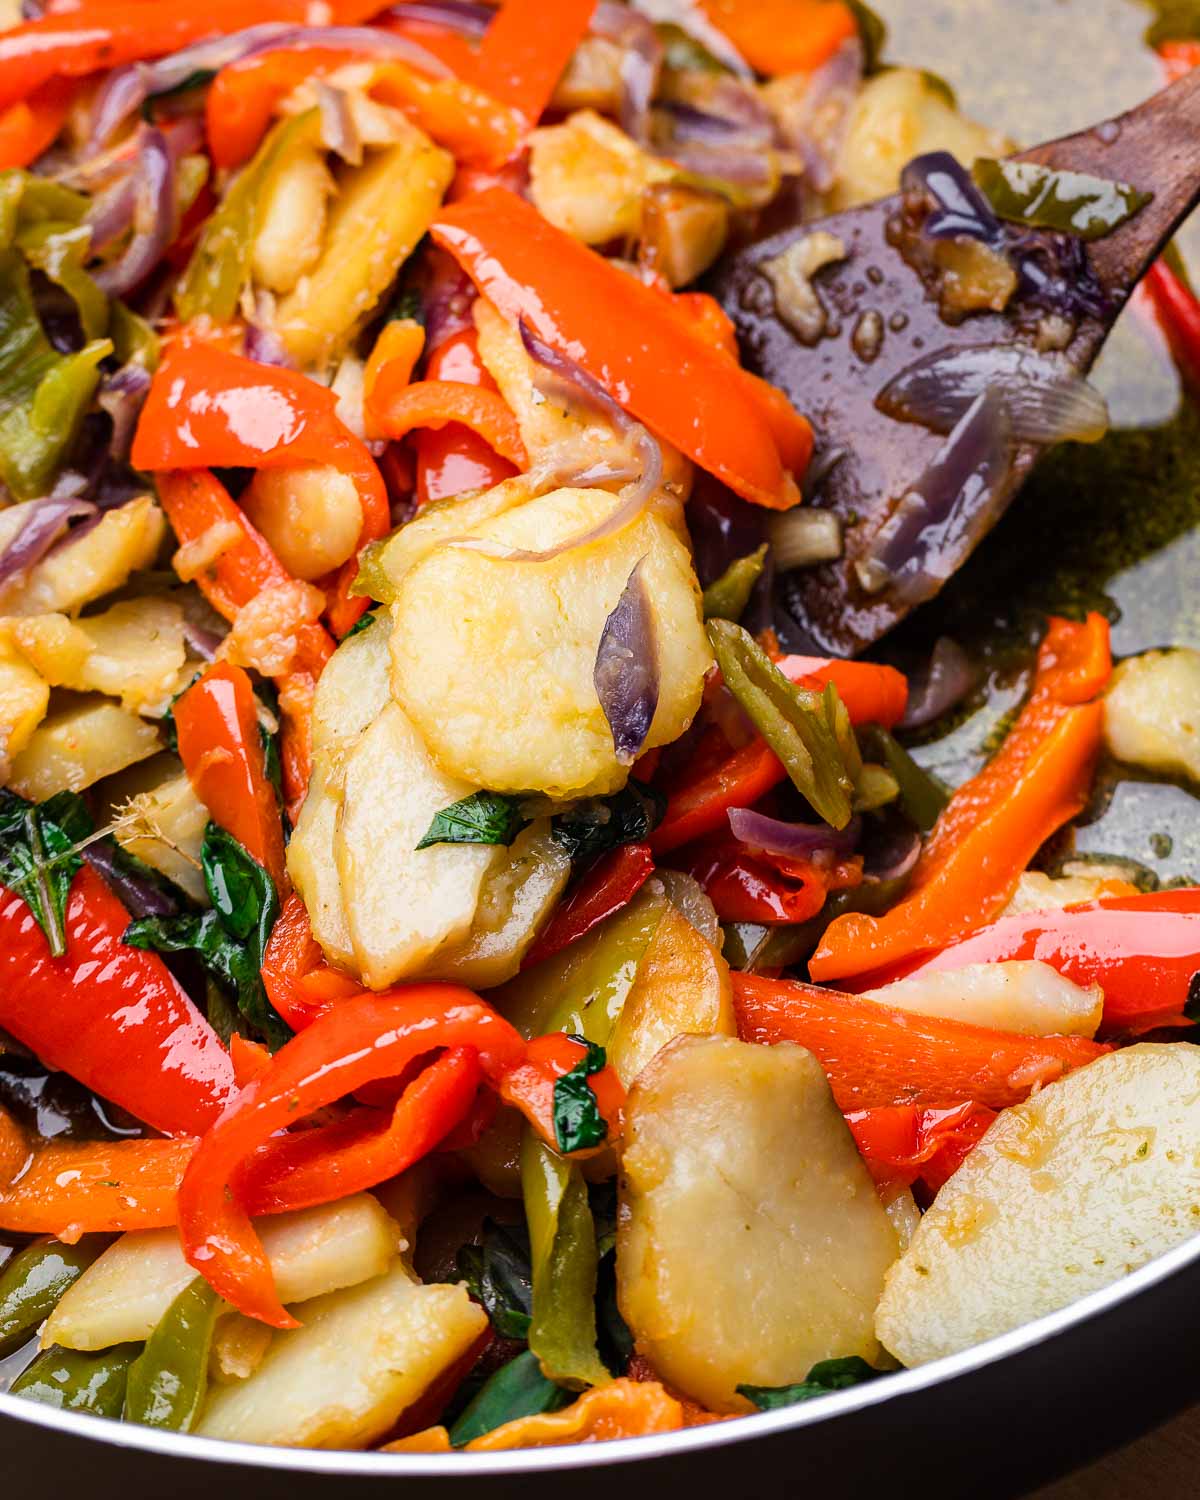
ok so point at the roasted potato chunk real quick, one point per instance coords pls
(133, 651)
(291, 220)
(493, 660)
(751, 1242)
(24, 696)
(92, 565)
(587, 177)
(77, 746)
(164, 827)
(1088, 1179)
(1152, 712)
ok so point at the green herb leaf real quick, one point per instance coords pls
(481, 818)
(921, 797)
(726, 597)
(364, 622)
(1072, 202)
(829, 1375)
(598, 824)
(517, 1389)
(37, 858)
(578, 1123)
(805, 729)
(499, 1276)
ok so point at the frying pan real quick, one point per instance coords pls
(993, 1421)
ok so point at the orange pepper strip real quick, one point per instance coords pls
(299, 983)
(194, 501)
(364, 1039)
(474, 127)
(399, 408)
(222, 753)
(526, 49)
(876, 1055)
(30, 126)
(627, 336)
(996, 822)
(530, 1088)
(104, 1187)
(105, 36)
(1179, 58)
(244, 96)
(457, 52)
(248, 1058)
(398, 348)
(783, 36)
(622, 1409)
(14, 1149)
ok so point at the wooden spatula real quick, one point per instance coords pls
(869, 460)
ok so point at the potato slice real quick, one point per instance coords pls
(515, 901)
(682, 987)
(383, 209)
(353, 690)
(78, 745)
(493, 660)
(900, 114)
(403, 904)
(137, 651)
(751, 1241)
(24, 697)
(1038, 892)
(124, 1293)
(96, 563)
(1152, 712)
(361, 1358)
(1022, 995)
(1084, 1182)
(164, 827)
(291, 219)
(587, 177)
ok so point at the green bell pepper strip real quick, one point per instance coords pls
(75, 1380)
(726, 597)
(168, 1380)
(800, 726)
(921, 797)
(46, 223)
(1072, 202)
(33, 1282)
(517, 1389)
(134, 341)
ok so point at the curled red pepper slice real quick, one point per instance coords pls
(530, 1087)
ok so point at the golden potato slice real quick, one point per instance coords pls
(291, 219)
(1152, 712)
(124, 1294)
(164, 827)
(1084, 1182)
(751, 1242)
(515, 901)
(95, 564)
(362, 1357)
(74, 747)
(382, 210)
(493, 660)
(1022, 995)
(353, 689)
(403, 904)
(587, 177)
(24, 696)
(682, 987)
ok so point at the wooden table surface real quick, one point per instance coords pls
(1164, 1465)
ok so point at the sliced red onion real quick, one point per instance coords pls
(960, 208)
(339, 129)
(934, 528)
(367, 40)
(691, 19)
(632, 503)
(121, 396)
(791, 840)
(140, 897)
(153, 218)
(626, 672)
(264, 346)
(203, 642)
(749, 168)
(691, 124)
(893, 857)
(641, 59)
(1054, 272)
(43, 523)
(1047, 400)
(462, 16)
(819, 128)
(945, 682)
(574, 374)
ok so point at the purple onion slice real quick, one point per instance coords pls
(121, 396)
(627, 671)
(641, 59)
(154, 217)
(464, 17)
(791, 840)
(945, 682)
(43, 523)
(960, 208)
(822, 123)
(689, 18)
(139, 896)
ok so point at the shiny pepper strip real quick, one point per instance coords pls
(364, 1039)
(168, 1380)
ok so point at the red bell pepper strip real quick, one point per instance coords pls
(102, 36)
(526, 49)
(476, 128)
(452, 459)
(1178, 314)
(611, 883)
(872, 694)
(996, 822)
(457, 52)
(363, 1039)
(530, 1088)
(903, 1142)
(196, 501)
(876, 1055)
(1143, 951)
(31, 126)
(299, 983)
(222, 753)
(112, 1016)
(783, 36)
(398, 408)
(243, 97)
(626, 335)
(745, 885)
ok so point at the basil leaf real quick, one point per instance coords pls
(517, 1389)
(829, 1375)
(726, 597)
(499, 1276)
(598, 824)
(481, 818)
(37, 858)
(1071, 202)
(578, 1123)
